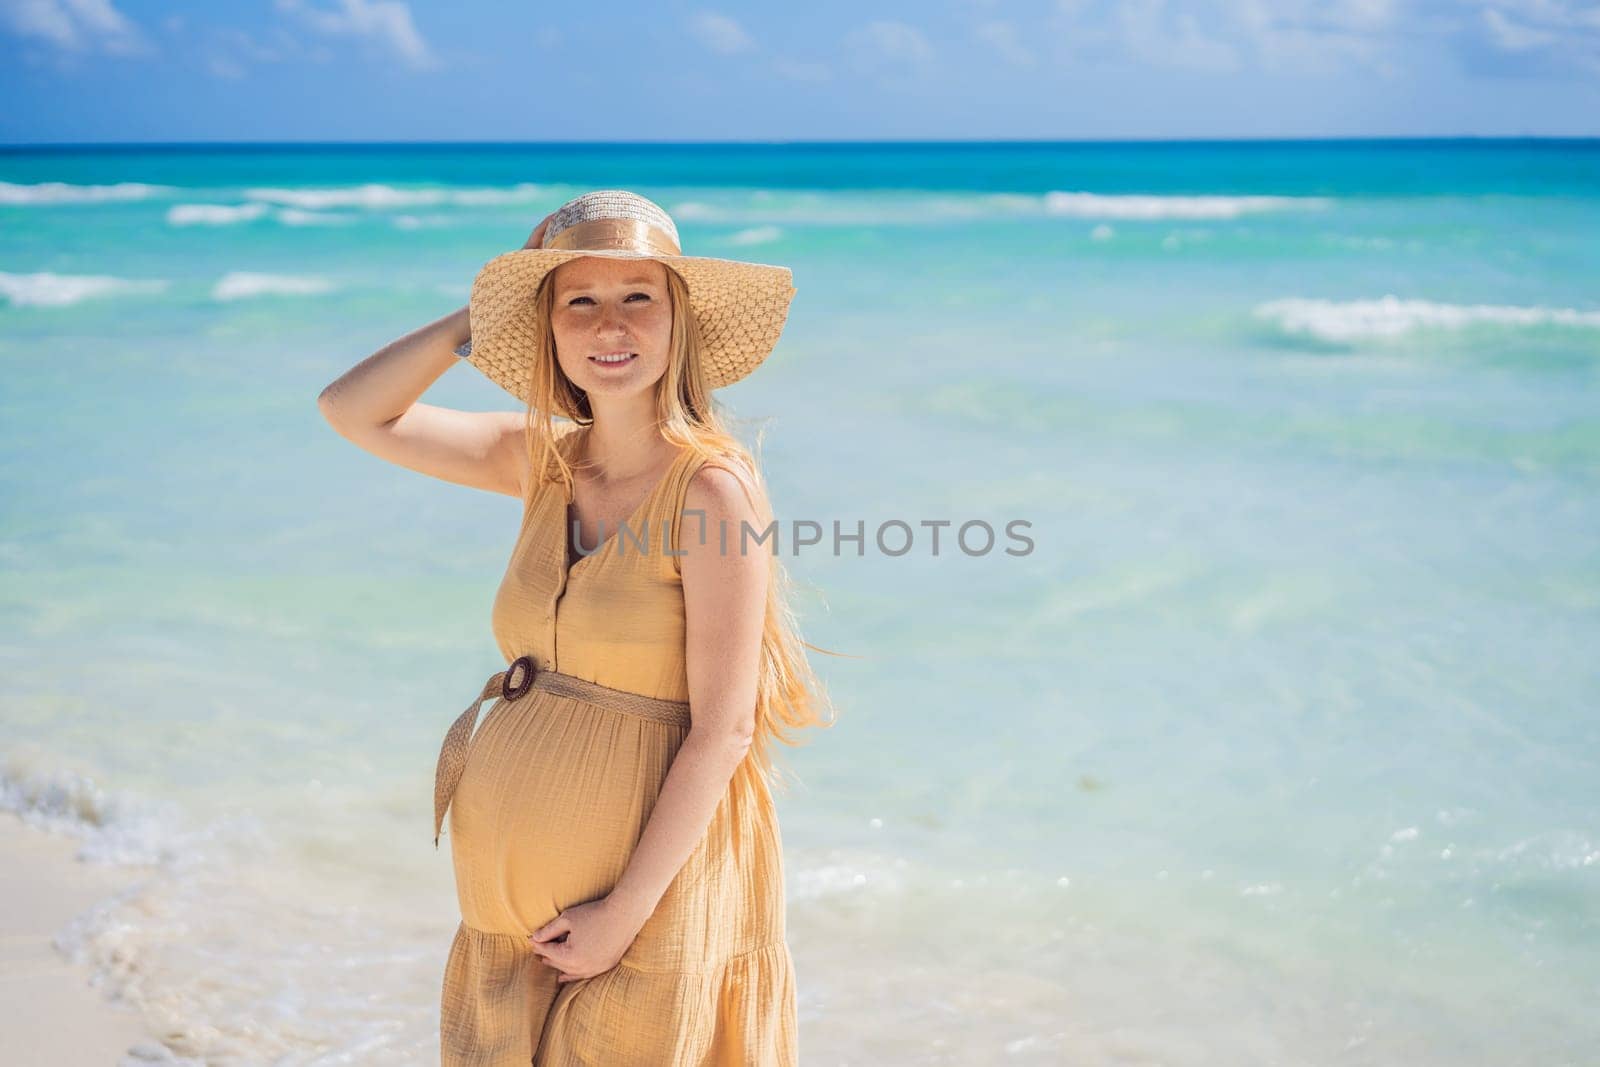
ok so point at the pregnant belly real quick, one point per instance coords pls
(550, 805)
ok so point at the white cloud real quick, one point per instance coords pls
(719, 33)
(229, 52)
(889, 48)
(1178, 41)
(384, 23)
(78, 26)
(1002, 37)
(1223, 36)
(1537, 37)
(1351, 15)
(1514, 36)
(1318, 37)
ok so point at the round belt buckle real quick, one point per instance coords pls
(512, 692)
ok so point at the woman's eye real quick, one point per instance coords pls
(585, 299)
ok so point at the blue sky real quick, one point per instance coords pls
(381, 70)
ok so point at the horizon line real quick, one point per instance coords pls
(801, 143)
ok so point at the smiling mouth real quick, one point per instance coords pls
(614, 359)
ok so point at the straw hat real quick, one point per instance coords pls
(740, 307)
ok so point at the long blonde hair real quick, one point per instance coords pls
(789, 696)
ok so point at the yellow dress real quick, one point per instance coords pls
(548, 799)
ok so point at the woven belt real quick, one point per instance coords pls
(457, 741)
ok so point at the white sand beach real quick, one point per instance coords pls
(51, 1013)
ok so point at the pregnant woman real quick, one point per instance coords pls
(616, 849)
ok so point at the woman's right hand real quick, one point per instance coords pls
(537, 238)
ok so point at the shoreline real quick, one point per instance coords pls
(52, 1014)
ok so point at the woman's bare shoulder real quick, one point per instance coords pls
(728, 484)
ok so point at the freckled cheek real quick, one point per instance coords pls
(658, 326)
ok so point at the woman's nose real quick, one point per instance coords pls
(610, 319)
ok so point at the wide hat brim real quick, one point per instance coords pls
(740, 308)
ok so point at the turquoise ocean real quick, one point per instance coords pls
(1280, 746)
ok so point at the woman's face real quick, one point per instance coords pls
(606, 307)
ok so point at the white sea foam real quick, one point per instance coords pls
(378, 197)
(293, 216)
(214, 214)
(765, 205)
(113, 827)
(516, 194)
(239, 285)
(756, 235)
(65, 193)
(887, 208)
(215, 933)
(421, 222)
(971, 206)
(47, 289)
(364, 196)
(838, 873)
(1139, 206)
(1355, 320)
(694, 211)
(232, 214)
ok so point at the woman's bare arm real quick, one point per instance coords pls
(375, 405)
(725, 598)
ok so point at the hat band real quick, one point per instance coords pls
(628, 235)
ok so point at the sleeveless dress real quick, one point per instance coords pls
(548, 799)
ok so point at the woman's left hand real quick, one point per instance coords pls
(598, 933)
